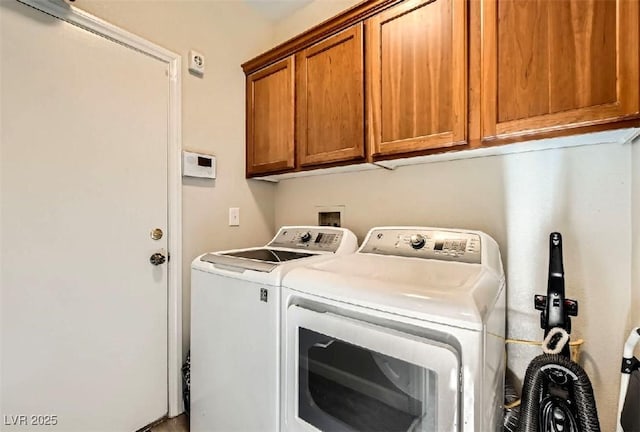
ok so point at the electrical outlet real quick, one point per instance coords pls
(196, 62)
(234, 216)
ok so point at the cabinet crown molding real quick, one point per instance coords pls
(351, 16)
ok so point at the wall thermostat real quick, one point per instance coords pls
(198, 165)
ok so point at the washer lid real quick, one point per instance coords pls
(450, 293)
(261, 259)
(268, 255)
(239, 263)
(290, 243)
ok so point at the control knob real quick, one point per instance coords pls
(417, 241)
(305, 237)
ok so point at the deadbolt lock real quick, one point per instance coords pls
(156, 234)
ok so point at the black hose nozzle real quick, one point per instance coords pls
(555, 307)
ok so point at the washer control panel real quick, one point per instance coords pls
(428, 244)
(309, 238)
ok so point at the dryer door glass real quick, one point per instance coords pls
(346, 387)
(354, 376)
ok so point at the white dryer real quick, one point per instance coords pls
(407, 334)
(235, 327)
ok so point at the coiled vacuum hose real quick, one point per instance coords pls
(533, 419)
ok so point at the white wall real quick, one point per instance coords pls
(227, 33)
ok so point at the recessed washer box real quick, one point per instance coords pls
(330, 215)
(198, 165)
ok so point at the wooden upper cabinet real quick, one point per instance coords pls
(549, 64)
(270, 118)
(423, 76)
(416, 71)
(330, 99)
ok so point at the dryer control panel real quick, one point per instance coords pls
(308, 238)
(442, 245)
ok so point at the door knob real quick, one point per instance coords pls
(157, 259)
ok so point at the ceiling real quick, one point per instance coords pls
(276, 10)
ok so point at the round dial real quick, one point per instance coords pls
(417, 241)
(305, 237)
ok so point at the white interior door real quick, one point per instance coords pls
(83, 181)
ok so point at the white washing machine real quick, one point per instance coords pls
(407, 334)
(235, 327)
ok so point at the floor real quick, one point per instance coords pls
(176, 424)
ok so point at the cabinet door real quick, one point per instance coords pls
(270, 119)
(549, 64)
(330, 99)
(416, 70)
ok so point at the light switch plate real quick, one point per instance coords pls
(234, 216)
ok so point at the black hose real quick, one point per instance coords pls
(186, 383)
(570, 409)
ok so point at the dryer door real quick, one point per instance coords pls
(348, 375)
